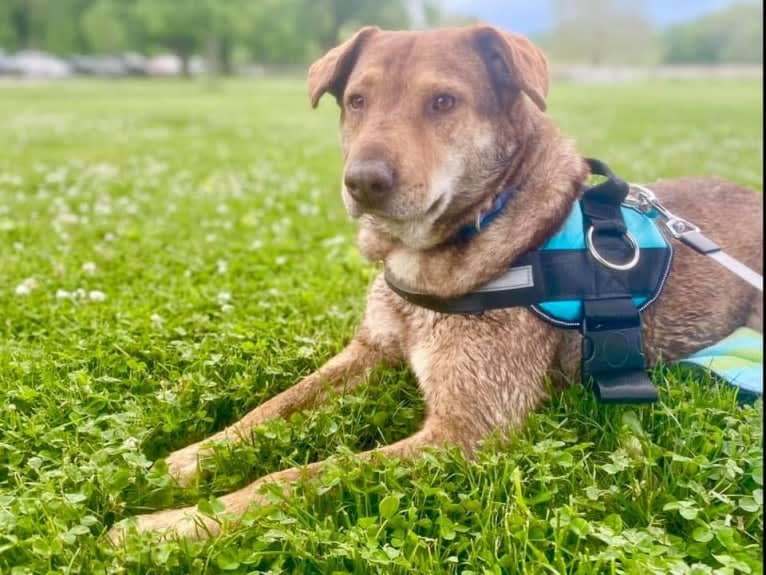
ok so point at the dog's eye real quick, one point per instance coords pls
(356, 102)
(443, 103)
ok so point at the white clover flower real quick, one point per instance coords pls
(130, 443)
(166, 395)
(96, 295)
(89, 268)
(68, 218)
(25, 288)
(64, 294)
(102, 208)
(227, 308)
(223, 297)
(156, 319)
(306, 209)
(222, 266)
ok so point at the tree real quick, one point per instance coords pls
(105, 26)
(8, 38)
(333, 19)
(22, 23)
(294, 31)
(602, 31)
(60, 25)
(177, 26)
(431, 14)
(225, 30)
(734, 34)
(277, 31)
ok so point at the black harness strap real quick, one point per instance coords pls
(612, 356)
(544, 270)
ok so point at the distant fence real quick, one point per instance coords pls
(623, 74)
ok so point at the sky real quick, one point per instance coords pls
(532, 17)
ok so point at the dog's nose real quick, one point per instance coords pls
(369, 181)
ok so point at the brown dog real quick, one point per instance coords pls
(434, 125)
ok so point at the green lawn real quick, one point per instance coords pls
(173, 254)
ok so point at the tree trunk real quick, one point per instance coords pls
(332, 37)
(213, 62)
(185, 64)
(225, 56)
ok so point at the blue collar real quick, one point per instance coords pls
(501, 200)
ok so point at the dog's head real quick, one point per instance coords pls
(432, 123)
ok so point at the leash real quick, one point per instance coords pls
(645, 200)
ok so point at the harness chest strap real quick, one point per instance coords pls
(612, 357)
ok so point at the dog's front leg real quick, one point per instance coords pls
(344, 371)
(189, 523)
(476, 377)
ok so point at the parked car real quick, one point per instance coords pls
(164, 65)
(134, 63)
(6, 65)
(98, 65)
(35, 64)
(81, 64)
(196, 66)
(170, 65)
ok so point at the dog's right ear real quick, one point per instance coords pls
(331, 71)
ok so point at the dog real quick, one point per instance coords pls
(434, 124)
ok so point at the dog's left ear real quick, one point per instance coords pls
(514, 63)
(331, 71)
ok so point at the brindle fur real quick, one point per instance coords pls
(477, 373)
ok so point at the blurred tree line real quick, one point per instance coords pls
(289, 32)
(600, 32)
(264, 31)
(734, 34)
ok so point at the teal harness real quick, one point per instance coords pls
(606, 264)
(568, 313)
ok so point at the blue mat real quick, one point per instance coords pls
(737, 359)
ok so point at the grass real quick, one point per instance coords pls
(174, 254)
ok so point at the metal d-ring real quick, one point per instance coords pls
(619, 267)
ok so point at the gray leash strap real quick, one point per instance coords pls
(737, 267)
(645, 200)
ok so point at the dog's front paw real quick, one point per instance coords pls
(184, 464)
(186, 523)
